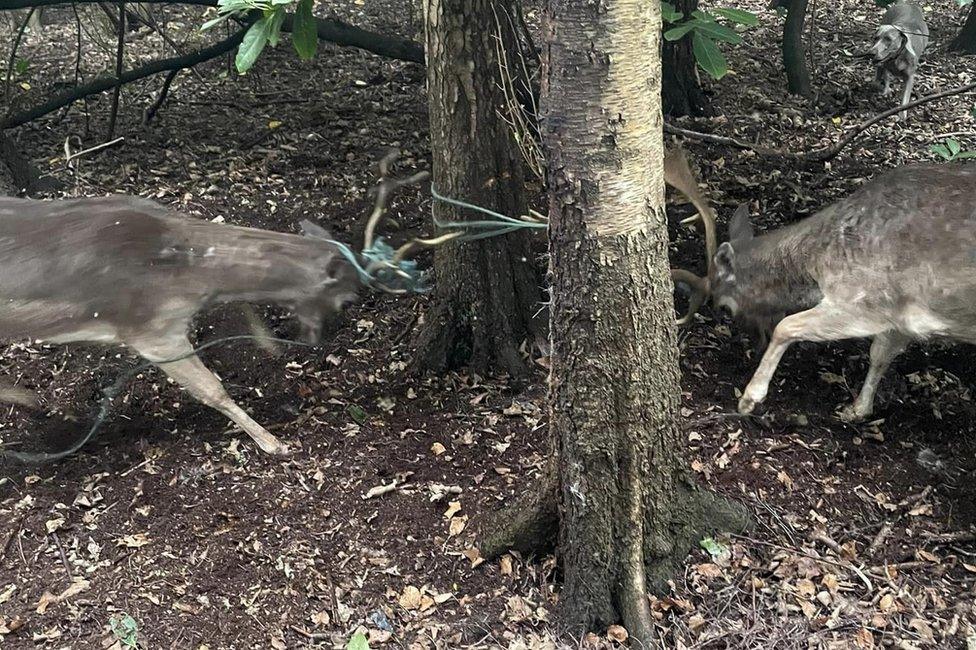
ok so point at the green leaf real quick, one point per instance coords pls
(954, 146)
(356, 413)
(941, 151)
(966, 154)
(304, 33)
(677, 32)
(716, 32)
(669, 14)
(708, 55)
(358, 642)
(274, 29)
(254, 41)
(714, 548)
(740, 16)
(214, 22)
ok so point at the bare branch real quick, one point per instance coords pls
(826, 153)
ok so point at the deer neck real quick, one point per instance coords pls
(245, 264)
(778, 269)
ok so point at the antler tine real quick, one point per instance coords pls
(677, 174)
(386, 187)
(699, 292)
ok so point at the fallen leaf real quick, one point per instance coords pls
(453, 508)
(457, 525)
(473, 555)
(380, 490)
(134, 541)
(411, 598)
(504, 565)
(437, 449)
(617, 633)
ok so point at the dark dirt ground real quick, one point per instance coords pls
(174, 524)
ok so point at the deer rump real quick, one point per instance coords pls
(896, 261)
(123, 270)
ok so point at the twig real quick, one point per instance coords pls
(826, 153)
(311, 636)
(13, 52)
(119, 54)
(843, 565)
(64, 556)
(879, 539)
(150, 113)
(97, 147)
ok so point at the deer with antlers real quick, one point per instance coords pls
(123, 270)
(894, 261)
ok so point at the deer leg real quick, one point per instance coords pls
(884, 349)
(191, 374)
(825, 322)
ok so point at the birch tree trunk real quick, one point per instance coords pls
(486, 292)
(627, 513)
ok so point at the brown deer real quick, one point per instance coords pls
(123, 270)
(894, 261)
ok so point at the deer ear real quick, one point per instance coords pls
(725, 262)
(310, 229)
(739, 228)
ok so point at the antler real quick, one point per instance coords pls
(677, 174)
(386, 187)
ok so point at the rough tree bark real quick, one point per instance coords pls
(486, 291)
(794, 54)
(965, 40)
(628, 513)
(681, 92)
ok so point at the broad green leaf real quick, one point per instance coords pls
(739, 16)
(708, 55)
(954, 146)
(702, 15)
(941, 151)
(966, 154)
(214, 22)
(304, 33)
(716, 32)
(669, 14)
(254, 41)
(274, 29)
(677, 32)
(358, 642)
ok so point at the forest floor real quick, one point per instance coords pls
(170, 529)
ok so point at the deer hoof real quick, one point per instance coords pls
(746, 405)
(852, 415)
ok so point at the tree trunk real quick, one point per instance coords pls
(628, 515)
(965, 40)
(486, 291)
(682, 94)
(794, 54)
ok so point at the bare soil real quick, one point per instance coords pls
(174, 524)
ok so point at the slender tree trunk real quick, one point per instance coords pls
(681, 92)
(965, 40)
(794, 54)
(627, 514)
(486, 291)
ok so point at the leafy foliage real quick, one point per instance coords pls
(950, 149)
(266, 30)
(706, 32)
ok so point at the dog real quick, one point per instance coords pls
(900, 40)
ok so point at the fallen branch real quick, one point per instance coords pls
(102, 84)
(329, 29)
(823, 154)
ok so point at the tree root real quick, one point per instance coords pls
(529, 526)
